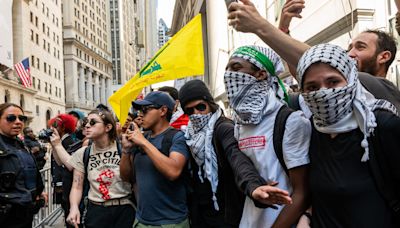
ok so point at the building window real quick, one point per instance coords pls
(49, 70)
(21, 101)
(32, 35)
(31, 17)
(50, 89)
(36, 21)
(33, 61)
(38, 63)
(45, 87)
(34, 82)
(44, 28)
(37, 110)
(38, 84)
(37, 39)
(45, 67)
(44, 44)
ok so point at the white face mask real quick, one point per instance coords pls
(330, 105)
(247, 96)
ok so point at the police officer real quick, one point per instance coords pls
(21, 186)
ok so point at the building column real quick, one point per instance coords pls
(103, 90)
(108, 89)
(82, 84)
(90, 88)
(72, 82)
(96, 88)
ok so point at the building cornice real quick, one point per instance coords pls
(15, 85)
(92, 53)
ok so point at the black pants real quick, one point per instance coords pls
(111, 216)
(205, 216)
(18, 217)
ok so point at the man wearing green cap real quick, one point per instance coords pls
(257, 97)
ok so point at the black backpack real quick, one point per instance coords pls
(279, 130)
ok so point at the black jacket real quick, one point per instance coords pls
(234, 169)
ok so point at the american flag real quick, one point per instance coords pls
(23, 71)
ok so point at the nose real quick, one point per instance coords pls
(352, 53)
(195, 111)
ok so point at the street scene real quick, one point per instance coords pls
(199, 113)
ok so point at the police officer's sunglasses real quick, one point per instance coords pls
(12, 118)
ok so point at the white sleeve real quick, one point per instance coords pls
(296, 140)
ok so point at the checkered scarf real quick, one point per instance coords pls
(199, 135)
(339, 110)
(252, 99)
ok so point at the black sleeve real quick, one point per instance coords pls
(389, 136)
(246, 176)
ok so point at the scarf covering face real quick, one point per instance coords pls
(199, 135)
(339, 110)
(250, 98)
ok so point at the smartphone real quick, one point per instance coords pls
(131, 127)
(228, 2)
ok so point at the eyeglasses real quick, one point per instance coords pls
(92, 122)
(199, 107)
(147, 108)
(12, 118)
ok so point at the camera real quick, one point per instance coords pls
(45, 134)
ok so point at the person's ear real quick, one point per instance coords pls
(108, 127)
(383, 57)
(261, 75)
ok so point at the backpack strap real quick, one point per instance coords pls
(167, 140)
(279, 130)
(293, 101)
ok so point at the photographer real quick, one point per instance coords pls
(63, 126)
(21, 186)
(38, 151)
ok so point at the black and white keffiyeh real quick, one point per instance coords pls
(199, 135)
(266, 59)
(339, 110)
(252, 99)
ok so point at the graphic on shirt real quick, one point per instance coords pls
(252, 142)
(99, 160)
(105, 180)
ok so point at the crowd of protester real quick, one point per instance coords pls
(324, 154)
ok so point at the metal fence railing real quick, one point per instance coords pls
(50, 213)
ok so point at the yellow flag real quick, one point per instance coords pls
(181, 56)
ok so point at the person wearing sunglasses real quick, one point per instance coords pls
(158, 161)
(20, 181)
(109, 203)
(257, 97)
(221, 172)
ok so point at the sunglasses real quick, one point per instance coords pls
(92, 122)
(12, 118)
(199, 107)
(147, 108)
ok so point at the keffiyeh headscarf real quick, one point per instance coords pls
(339, 110)
(252, 99)
(199, 135)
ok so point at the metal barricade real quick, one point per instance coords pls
(50, 213)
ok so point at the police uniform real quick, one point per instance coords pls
(20, 184)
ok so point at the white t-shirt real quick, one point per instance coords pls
(256, 141)
(103, 173)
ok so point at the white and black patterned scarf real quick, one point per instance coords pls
(342, 109)
(252, 99)
(199, 135)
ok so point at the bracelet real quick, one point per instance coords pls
(285, 30)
